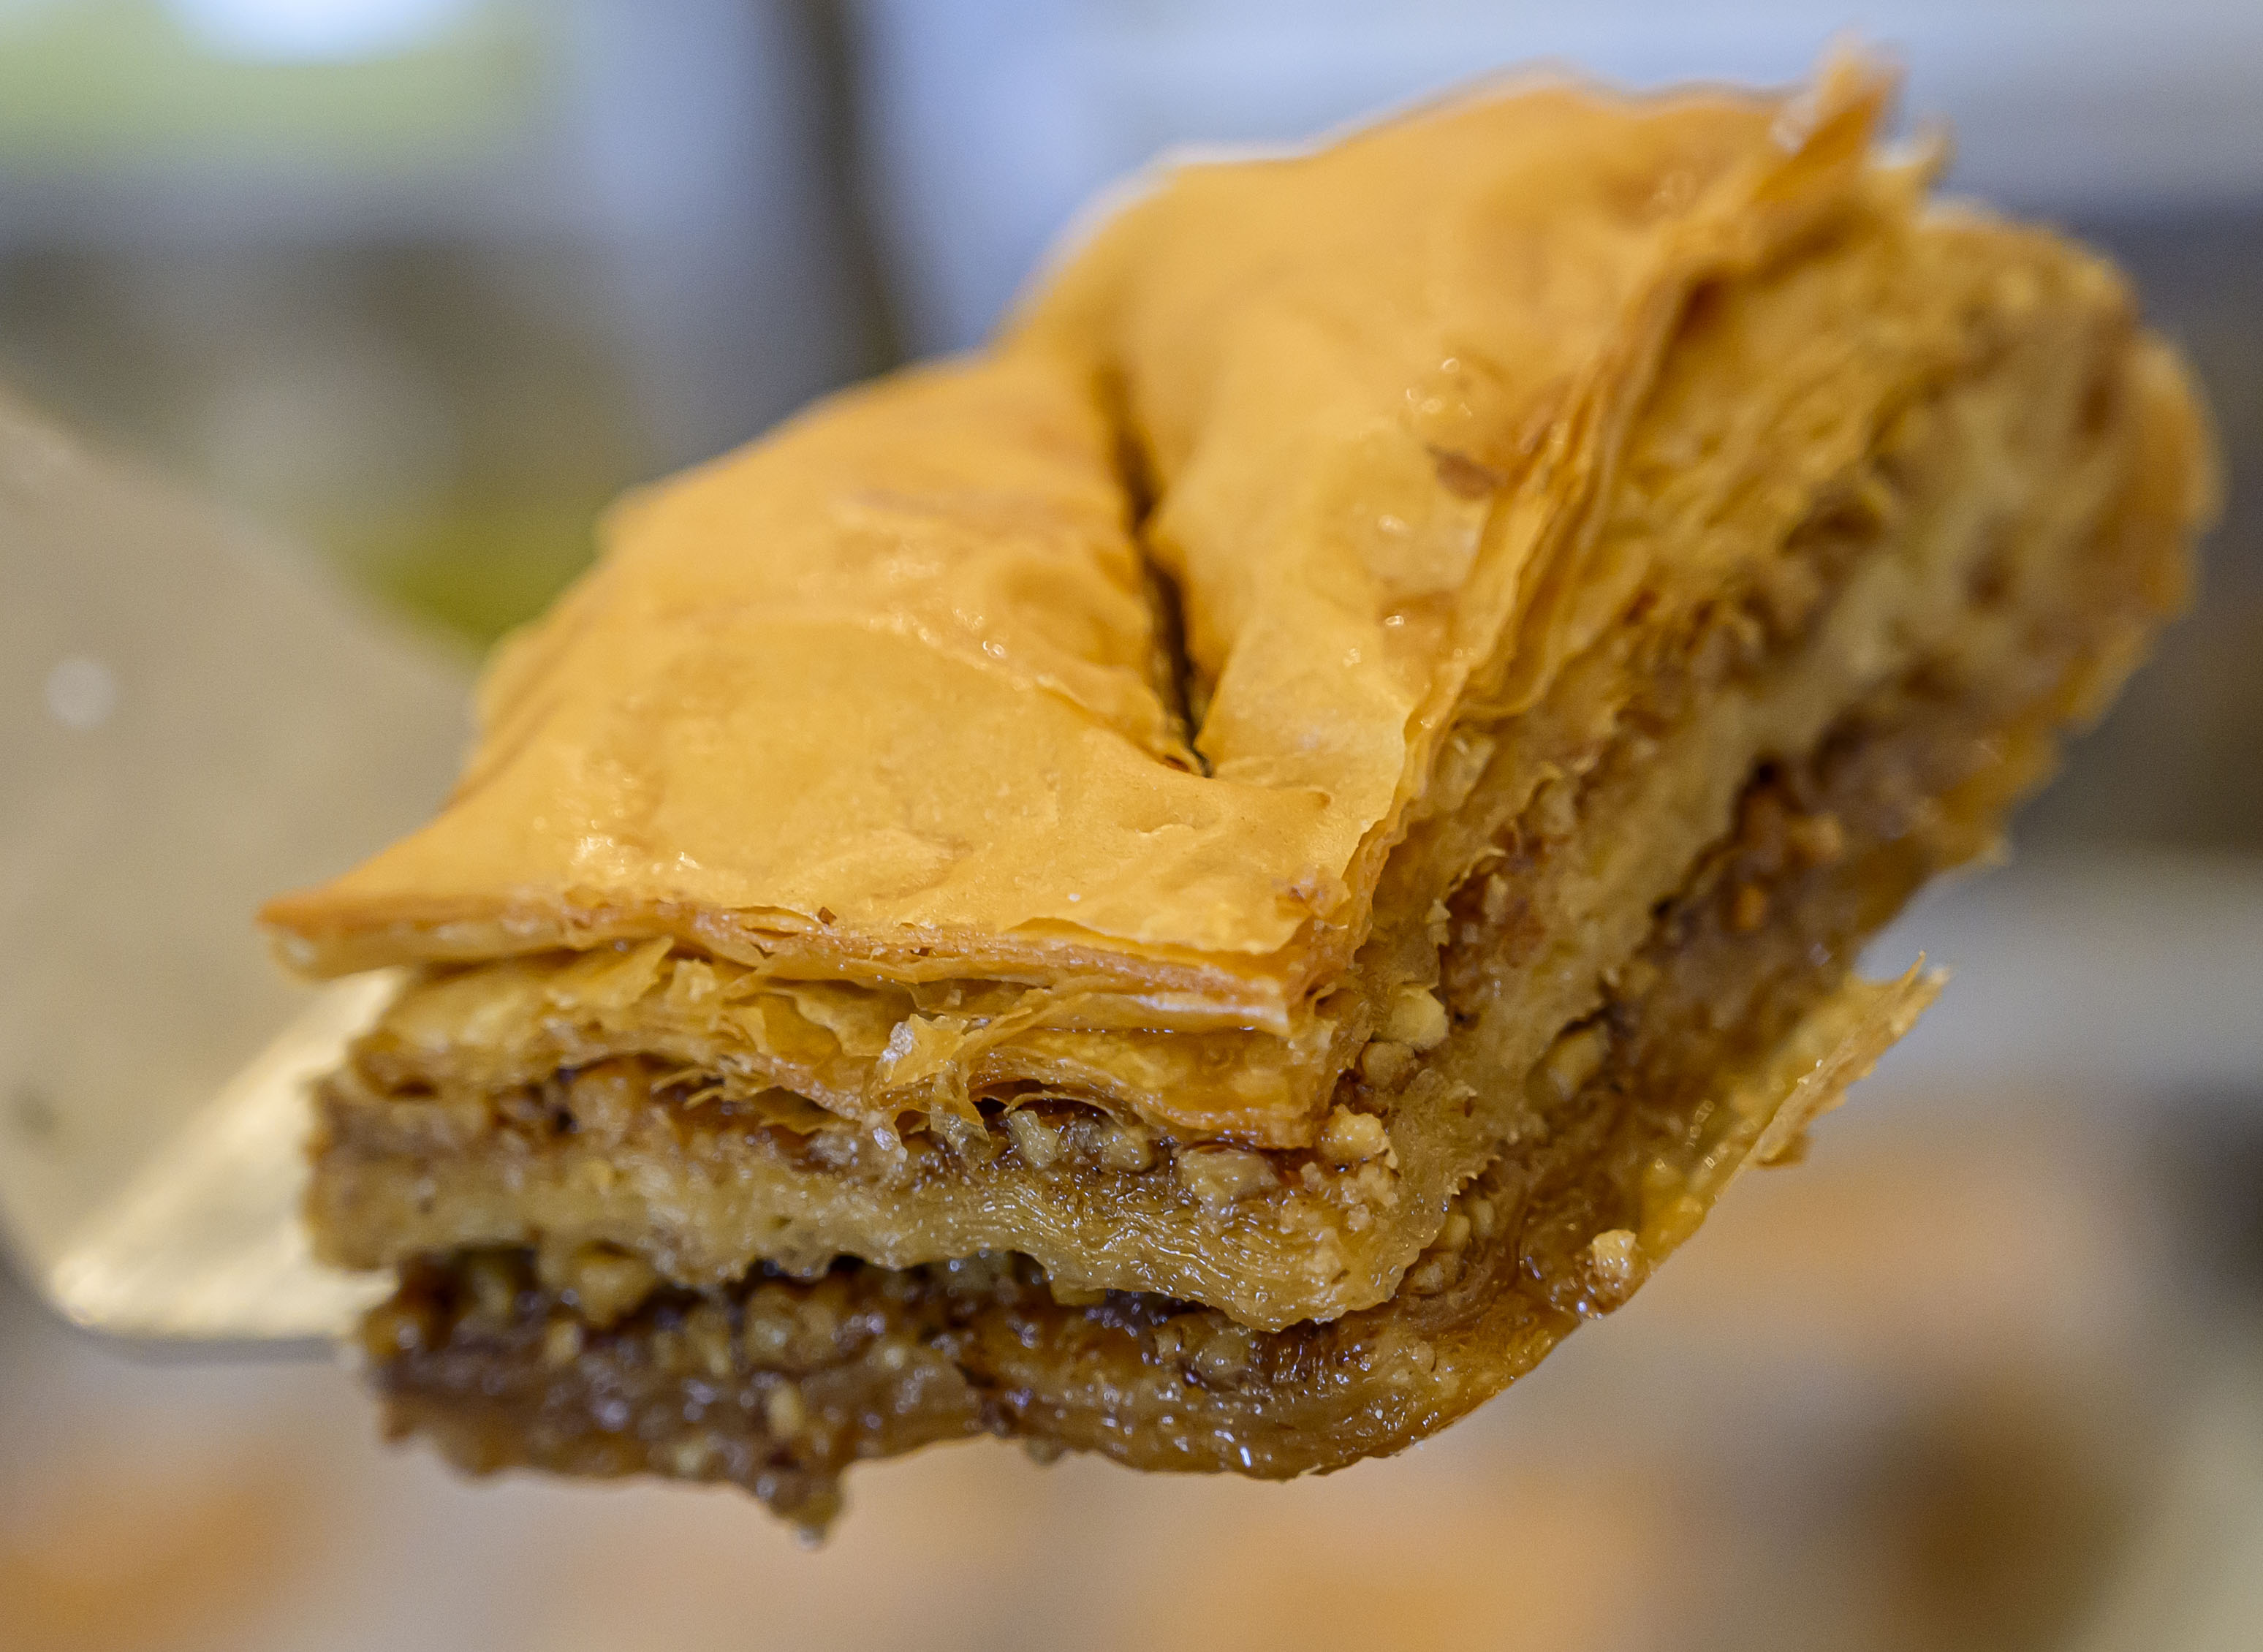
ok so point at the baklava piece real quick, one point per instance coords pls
(1201, 884)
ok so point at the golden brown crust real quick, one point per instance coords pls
(1230, 798)
(1962, 493)
(1722, 1037)
(1727, 1046)
(873, 696)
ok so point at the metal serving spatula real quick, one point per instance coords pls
(190, 720)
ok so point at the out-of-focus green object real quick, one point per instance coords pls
(440, 415)
(483, 568)
(422, 282)
(109, 80)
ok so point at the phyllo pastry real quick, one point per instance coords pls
(1202, 882)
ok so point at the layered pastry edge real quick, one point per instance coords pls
(1868, 503)
(650, 1152)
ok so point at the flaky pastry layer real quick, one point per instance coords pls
(1722, 1043)
(886, 695)
(2014, 515)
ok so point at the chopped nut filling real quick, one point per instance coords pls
(1204, 883)
(779, 1384)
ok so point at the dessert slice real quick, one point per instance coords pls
(1200, 883)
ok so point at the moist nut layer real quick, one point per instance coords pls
(1723, 1040)
(706, 1116)
(1204, 881)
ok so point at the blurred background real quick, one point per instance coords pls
(417, 284)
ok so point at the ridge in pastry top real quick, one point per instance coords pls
(902, 691)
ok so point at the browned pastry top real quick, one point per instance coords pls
(893, 693)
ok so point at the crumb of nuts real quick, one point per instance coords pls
(1614, 1266)
(607, 1283)
(561, 1340)
(1415, 1017)
(1219, 1176)
(1555, 809)
(494, 1282)
(1226, 1353)
(1499, 896)
(1571, 1062)
(1127, 1148)
(783, 1410)
(1383, 1063)
(688, 1459)
(1433, 1273)
(398, 1327)
(707, 1330)
(1353, 1138)
(1037, 1141)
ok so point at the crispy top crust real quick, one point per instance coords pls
(889, 694)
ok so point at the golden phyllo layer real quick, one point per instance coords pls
(1181, 797)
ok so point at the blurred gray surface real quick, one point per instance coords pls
(190, 722)
(2136, 976)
